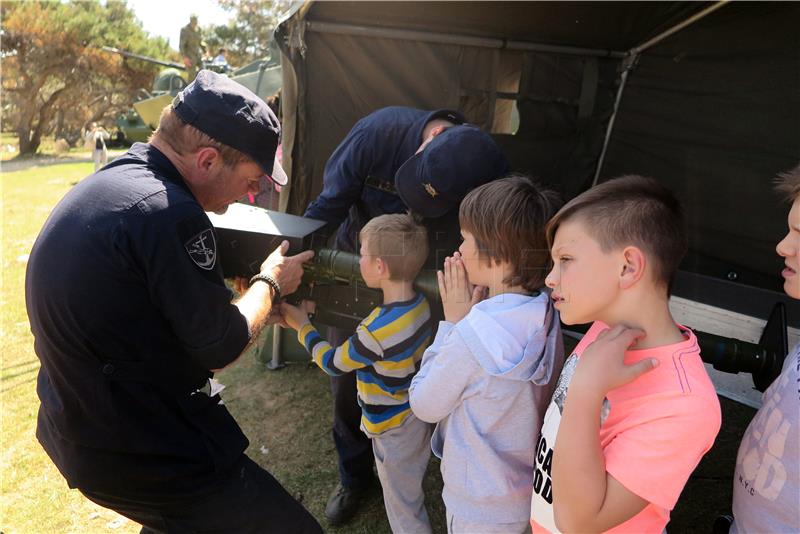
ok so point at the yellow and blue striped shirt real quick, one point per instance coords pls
(385, 352)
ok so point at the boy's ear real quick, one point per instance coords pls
(383, 268)
(633, 267)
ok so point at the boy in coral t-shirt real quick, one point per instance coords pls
(622, 434)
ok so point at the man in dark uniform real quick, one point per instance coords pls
(394, 159)
(130, 316)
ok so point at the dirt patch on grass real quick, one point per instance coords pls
(20, 163)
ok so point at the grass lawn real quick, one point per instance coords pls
(33, 495)
(285, 413)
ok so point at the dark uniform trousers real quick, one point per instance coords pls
(353, 447)
(248, 500)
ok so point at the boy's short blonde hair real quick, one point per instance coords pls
(399, 241)
(631, 210)
(788, 184)
(507, 218)
(185, 139)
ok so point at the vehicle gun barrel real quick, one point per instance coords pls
(125, 53)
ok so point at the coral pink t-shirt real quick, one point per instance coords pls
(653, 431)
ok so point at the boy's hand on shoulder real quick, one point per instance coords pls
(602, 365)
(293, 316)
(458, 295)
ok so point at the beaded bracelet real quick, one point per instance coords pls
(276, 288)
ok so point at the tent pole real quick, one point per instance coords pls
(628, 65)
(633, 57)
(456, 39)
(678, 27)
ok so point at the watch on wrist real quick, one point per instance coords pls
(276, 288)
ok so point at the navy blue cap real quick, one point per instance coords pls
(455, 162)
(447, 114)
(233, 115)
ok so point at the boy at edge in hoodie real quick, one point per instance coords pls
(624, 429)
(491, 369)
(384, 352)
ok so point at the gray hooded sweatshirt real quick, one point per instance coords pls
(486, 381)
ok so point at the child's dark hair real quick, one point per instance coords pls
(631, 210)
(788, 184)
(507, 218)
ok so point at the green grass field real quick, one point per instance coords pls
(34, 496)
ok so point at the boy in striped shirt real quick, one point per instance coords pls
(385, 352)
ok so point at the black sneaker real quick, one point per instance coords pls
(343, 503)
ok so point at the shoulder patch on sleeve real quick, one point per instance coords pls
(199, 241)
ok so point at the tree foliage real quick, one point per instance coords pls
(248, 36)
(55, 75)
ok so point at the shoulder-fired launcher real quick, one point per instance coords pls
(332, 279)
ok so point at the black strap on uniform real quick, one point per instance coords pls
(381, 185)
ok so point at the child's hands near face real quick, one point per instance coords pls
(602, 368)
(293, 316)
(458, 295)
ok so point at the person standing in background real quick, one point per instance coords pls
(191, 47)
(96, 138)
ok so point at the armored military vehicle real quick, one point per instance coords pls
(262, 76)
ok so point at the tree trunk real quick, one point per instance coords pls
(26, 145)
(59, 128)
(26, 142)
(29, 141)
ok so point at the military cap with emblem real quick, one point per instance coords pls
(235, 116)
(434, 181)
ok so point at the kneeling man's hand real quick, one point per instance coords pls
(286, 270)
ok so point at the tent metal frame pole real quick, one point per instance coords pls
(623, 80)
(277, 360)
(678, 27)
(633, 57)
(457, 39)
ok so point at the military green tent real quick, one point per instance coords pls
(703, 96)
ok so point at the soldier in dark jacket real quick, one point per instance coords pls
(131, 316)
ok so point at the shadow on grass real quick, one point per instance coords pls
(4, 377)
(18, 384)
(14, 366)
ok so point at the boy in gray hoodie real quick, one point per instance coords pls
(491, 370)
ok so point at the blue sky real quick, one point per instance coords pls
(166, 17)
